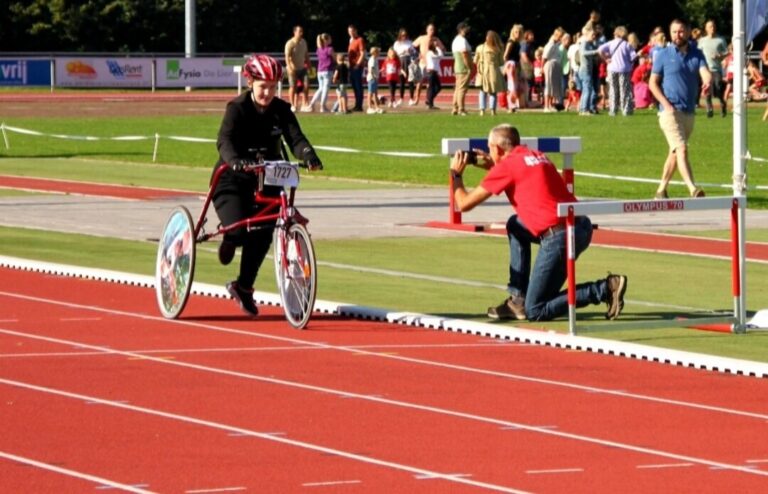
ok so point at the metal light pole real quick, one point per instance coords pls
(190, 33)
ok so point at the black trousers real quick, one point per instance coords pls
(233, 201)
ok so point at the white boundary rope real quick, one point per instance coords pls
(334, 149)
(502, 332)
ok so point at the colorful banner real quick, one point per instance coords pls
(197, 72)
(103, 72)
(25, 72)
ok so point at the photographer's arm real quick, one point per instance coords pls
(465, 200)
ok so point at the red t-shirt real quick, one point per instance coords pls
(533, 186)
(355, 52)
(392, 69)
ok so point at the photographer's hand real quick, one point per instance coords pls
(459, 163)
(484, 159)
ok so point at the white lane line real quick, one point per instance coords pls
(72, 473)
(290, 442)
(554, 470)
(666, 465)
(79, 319)
(404, 404)
(291, 348)
(214, 490)
(462, 368)
(331, 483)
(762, 460)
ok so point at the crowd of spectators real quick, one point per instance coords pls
(582, 71)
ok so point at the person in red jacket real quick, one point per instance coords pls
(534, 188)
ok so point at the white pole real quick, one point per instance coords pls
(190, 36)
(740, 148)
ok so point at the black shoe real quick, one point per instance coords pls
(244, 298)
(710, 113)
(723, 112)
(616, 286)
(226, 252)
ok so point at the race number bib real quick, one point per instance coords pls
(281, 174)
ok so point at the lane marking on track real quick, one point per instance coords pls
(290, 442)
(79, 319)
(555, 470)
(331, 483)
(260, 349)
(103, 483)
(396, 403)
(214, 490)
(666, 465)
(431, 477)
(758, 461)
(461, 368)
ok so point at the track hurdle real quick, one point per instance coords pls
(567, 146)
(735, 204)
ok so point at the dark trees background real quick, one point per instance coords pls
(239, 26)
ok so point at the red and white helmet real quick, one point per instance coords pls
(262, 68)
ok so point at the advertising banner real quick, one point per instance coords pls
(25, 72)
(197, 72)
(103, 72)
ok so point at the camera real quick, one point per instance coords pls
(471, 157)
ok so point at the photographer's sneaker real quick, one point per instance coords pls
(244, 298)
(615, 286)
(511, 308)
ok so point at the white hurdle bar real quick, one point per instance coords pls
(735, 204)
(567, 146)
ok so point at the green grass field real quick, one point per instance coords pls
(618, 147)
(662, 286)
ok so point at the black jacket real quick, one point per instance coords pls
(244, 129)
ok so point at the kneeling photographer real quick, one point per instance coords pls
(534, 188)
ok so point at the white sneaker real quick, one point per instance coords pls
(371, 111)
(411, 102)
(379, 111)
(293, 109)
(398, 103)
(306, 109)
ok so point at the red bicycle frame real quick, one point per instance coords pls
(273, 208)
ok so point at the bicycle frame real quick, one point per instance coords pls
(273, 208)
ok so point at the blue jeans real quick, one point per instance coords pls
(323, 85)
(491, 100)
(588, 101)
(356, 81)
(544, 299)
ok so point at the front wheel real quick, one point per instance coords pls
(175, 264)
(296, 273)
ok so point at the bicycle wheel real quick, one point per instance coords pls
(175, 263)
(296, 273)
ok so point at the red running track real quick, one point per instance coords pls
(97, 391)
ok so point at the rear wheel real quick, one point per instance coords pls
(296, 273)
(175, 263)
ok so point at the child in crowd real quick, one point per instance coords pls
(538, 74)
(573, 95)
(756, 82)
(640, 89)
(373, 81)
(392, 74)
(728, 69)
(510, 73)
(415, 76)
(341, 79)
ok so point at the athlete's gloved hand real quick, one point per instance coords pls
(311, 160)
(240, 164)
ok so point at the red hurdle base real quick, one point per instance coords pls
(462, 227)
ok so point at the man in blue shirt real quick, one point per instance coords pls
(675, 84)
